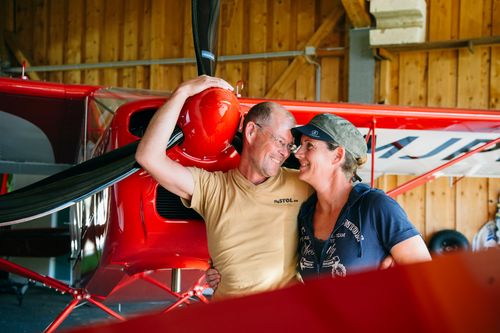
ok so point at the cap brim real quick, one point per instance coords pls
(312, 132)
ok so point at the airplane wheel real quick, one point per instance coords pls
(445, 241)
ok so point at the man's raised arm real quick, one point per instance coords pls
(151, 151)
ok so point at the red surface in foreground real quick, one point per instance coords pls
(454, 293)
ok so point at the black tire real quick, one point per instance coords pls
(446, 241)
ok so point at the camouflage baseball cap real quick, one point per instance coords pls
(329, 127)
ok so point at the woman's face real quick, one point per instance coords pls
(316, 160)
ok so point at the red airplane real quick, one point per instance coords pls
(125, 228)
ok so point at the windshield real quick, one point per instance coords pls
(110, 99)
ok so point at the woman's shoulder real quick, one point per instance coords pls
(375, 198)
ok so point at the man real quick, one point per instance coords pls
(251, 211)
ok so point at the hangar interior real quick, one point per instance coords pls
(439, 53)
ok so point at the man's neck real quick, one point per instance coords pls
(250, 174)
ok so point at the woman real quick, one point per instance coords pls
(345, 227)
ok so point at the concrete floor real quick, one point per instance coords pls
(41, 305)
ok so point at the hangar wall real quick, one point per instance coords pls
(53, 32)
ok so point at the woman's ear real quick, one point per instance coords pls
(339, 155)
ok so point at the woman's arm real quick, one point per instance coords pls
(410, 251)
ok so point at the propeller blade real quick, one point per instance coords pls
(205, 21)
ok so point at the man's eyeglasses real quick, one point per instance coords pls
(279, 142)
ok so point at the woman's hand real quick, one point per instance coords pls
(213, 278)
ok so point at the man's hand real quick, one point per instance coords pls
(200, 83)
(150, 153)
(213, 278)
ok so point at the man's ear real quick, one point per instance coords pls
(250, 131)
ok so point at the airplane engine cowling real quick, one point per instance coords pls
(209, 121)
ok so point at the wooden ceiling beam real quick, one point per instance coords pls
(11, 40)
(357, 13)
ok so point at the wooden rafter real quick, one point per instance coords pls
(10, 39)
(295, 68)
(357, 13)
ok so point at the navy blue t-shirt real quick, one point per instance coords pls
(369, 225)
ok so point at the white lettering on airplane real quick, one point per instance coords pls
(416, 152)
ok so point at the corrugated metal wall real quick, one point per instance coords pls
(91, 31)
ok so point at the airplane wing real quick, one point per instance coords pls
(64, 189)
(453, 293)
(414, 140)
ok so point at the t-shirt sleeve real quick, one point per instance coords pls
(195, 201)
(205, 186)
(391, 221)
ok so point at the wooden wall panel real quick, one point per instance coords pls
(111, 39)
(4, 26)
(279, 40)
(188, 71)
(494, 100)
(173, 31)
(442, 86)
(257, 32)
(233, 28)
(91, 43)
(331, 67)
(24, 26)
(472, 205)
(305, 85)
(40, 34)
(56, 37)
(142, 73)
(440, 205)
(158, 41)
(473, 80)
(414, 203)
(73, 40)
(132, 10)
(413, 91)
(115, 30)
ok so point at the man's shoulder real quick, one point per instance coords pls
(290, 177)
(210, 178)
(196, 171)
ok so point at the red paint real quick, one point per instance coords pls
(457, 293)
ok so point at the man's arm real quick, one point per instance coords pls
(151, 150)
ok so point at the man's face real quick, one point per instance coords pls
(270, 148)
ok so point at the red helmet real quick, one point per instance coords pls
(209, 121)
